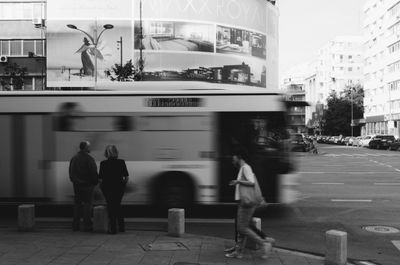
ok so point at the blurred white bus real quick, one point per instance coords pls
(176, 139)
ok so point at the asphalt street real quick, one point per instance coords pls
(349, 189)
(356, 190)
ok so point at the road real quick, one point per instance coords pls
(345, 188)
(342, 188)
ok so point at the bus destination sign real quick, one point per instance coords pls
(174, 102)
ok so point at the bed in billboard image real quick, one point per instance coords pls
(175, 36)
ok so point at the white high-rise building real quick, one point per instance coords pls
(382, 67)
(338, 64)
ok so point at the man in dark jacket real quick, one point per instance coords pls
(83, 174)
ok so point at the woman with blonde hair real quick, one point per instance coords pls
(113, 176)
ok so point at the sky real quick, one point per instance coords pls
(307, 25)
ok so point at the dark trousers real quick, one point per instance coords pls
(83, 200)
(113, 196)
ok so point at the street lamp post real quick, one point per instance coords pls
(352, 124)
(141, 66)
(120, 47)
(95, 41)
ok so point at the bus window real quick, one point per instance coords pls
(83, 123)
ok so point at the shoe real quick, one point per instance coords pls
(267, 247)
(234, 254)
(231, 249)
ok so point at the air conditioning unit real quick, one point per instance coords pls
(38, 22)
(3, 59)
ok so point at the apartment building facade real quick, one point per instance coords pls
(22, 45)
(382, 67)
(337, 65)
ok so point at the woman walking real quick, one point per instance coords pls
(249, 195)
(113, 176)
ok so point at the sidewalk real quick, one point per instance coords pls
(55, 246)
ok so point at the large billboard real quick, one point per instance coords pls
(224, 41)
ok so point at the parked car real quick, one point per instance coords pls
(364, 142)
(395, 145)
(381, 141)
(347, 140)
(356, 141)
(298, 143)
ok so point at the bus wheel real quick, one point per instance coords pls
(174, 190)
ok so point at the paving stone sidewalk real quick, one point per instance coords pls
(61, 246)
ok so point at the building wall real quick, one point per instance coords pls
(22, 43)
(338, 64)
(382, 66)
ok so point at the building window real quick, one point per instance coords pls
(29, 47)
(395, 10)
(4, 47)
(22, 47)
(16, 47)
(394, 47)
(350, 69)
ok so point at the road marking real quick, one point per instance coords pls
(349, 200)
(350, 173)
(327, 183)
(387, 183)
(396, 243)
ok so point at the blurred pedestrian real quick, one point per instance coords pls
(83, 174)
(314, 148)
(113, 176)
(249, 197)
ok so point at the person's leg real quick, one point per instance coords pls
(236, 250)
(77, 209)
(244, 220)
(87, 208)
(259, 232)
(119, 213)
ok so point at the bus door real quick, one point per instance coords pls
(262, 135)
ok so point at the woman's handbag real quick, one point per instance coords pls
(250, 195)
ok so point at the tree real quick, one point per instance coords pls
(16, 75)
(126, 73)
(336, 119)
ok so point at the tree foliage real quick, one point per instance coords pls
(126, 73)
(337, 117)
(14, 77)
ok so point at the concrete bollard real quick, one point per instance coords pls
(176, 222)
(26, 217)
(336, 247)
(100, 219)
(250, 244)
